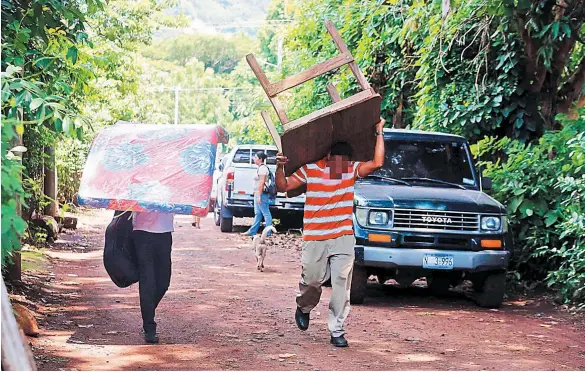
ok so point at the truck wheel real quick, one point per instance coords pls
(477, 283)
(359, 282)
(492, 293)
(226, 224)
(439, 284)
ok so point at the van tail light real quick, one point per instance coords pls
(229, 180)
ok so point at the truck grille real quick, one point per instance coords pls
(417, 219)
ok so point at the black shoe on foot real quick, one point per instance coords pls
(339, 341)
(151, 337)
(302, 320)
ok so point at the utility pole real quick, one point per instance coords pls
(281, 38)
(177, 89)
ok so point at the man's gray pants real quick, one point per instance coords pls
(322, 260)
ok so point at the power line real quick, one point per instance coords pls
(244, 23)
(197, 89)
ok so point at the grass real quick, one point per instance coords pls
(34, 260)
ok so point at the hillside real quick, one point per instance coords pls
(220, 16)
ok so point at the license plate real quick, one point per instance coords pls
(438, 261)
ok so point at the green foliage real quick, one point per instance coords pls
(70, 155)
(543, 186)
(493, 67)
(268, 37)
(55, 70)
(249, 130)
(372, 32)
(156, 103)
(13, 226)
(497, 69)
(41, 79)
(219, 52)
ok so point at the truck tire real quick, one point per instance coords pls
(492, 293)
(359, 282)
(477, 282)
(226, 224)
(439, 284)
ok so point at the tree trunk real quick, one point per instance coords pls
(50, 182)
(398, 118)
(445, 7)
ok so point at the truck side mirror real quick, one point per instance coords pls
(220, 167)
(486, 183)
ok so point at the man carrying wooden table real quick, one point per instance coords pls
(328, 238)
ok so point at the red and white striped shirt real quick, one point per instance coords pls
(329, 201)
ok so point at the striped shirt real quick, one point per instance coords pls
(329, 201)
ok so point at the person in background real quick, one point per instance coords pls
(328, 237)
(152, 237)
(196, 222)
(261, 199)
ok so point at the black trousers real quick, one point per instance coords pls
(153, 253)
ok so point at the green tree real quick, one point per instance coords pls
(63, 64)
(496, 67)
(219, 52)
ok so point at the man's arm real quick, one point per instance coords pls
(367, 168)
(283, 183)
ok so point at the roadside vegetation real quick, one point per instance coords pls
(509, 75)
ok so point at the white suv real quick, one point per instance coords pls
(234, 192)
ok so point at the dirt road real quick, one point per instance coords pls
(220, 313)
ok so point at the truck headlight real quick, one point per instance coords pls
(491, 223)
(378, 218)
(373, 217)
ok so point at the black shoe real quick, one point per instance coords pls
(302, 320)
(151, 337)
(339, 341)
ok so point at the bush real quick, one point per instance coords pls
(70, 155)
(543, 187)
(13, 225)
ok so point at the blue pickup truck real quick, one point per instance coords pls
(424, 214)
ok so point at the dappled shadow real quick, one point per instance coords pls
(380, 295)
(221, 313)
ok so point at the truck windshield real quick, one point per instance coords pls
(442, 161)
(246, 156)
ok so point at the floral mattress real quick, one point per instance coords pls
(152, 168)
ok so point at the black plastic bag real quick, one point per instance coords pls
(119, 251)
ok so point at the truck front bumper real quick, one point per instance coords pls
(389, 258)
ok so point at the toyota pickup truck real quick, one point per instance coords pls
(424, 214)
(235, 188)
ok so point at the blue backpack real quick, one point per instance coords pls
(270, 184)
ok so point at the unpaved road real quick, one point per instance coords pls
(220, 313)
